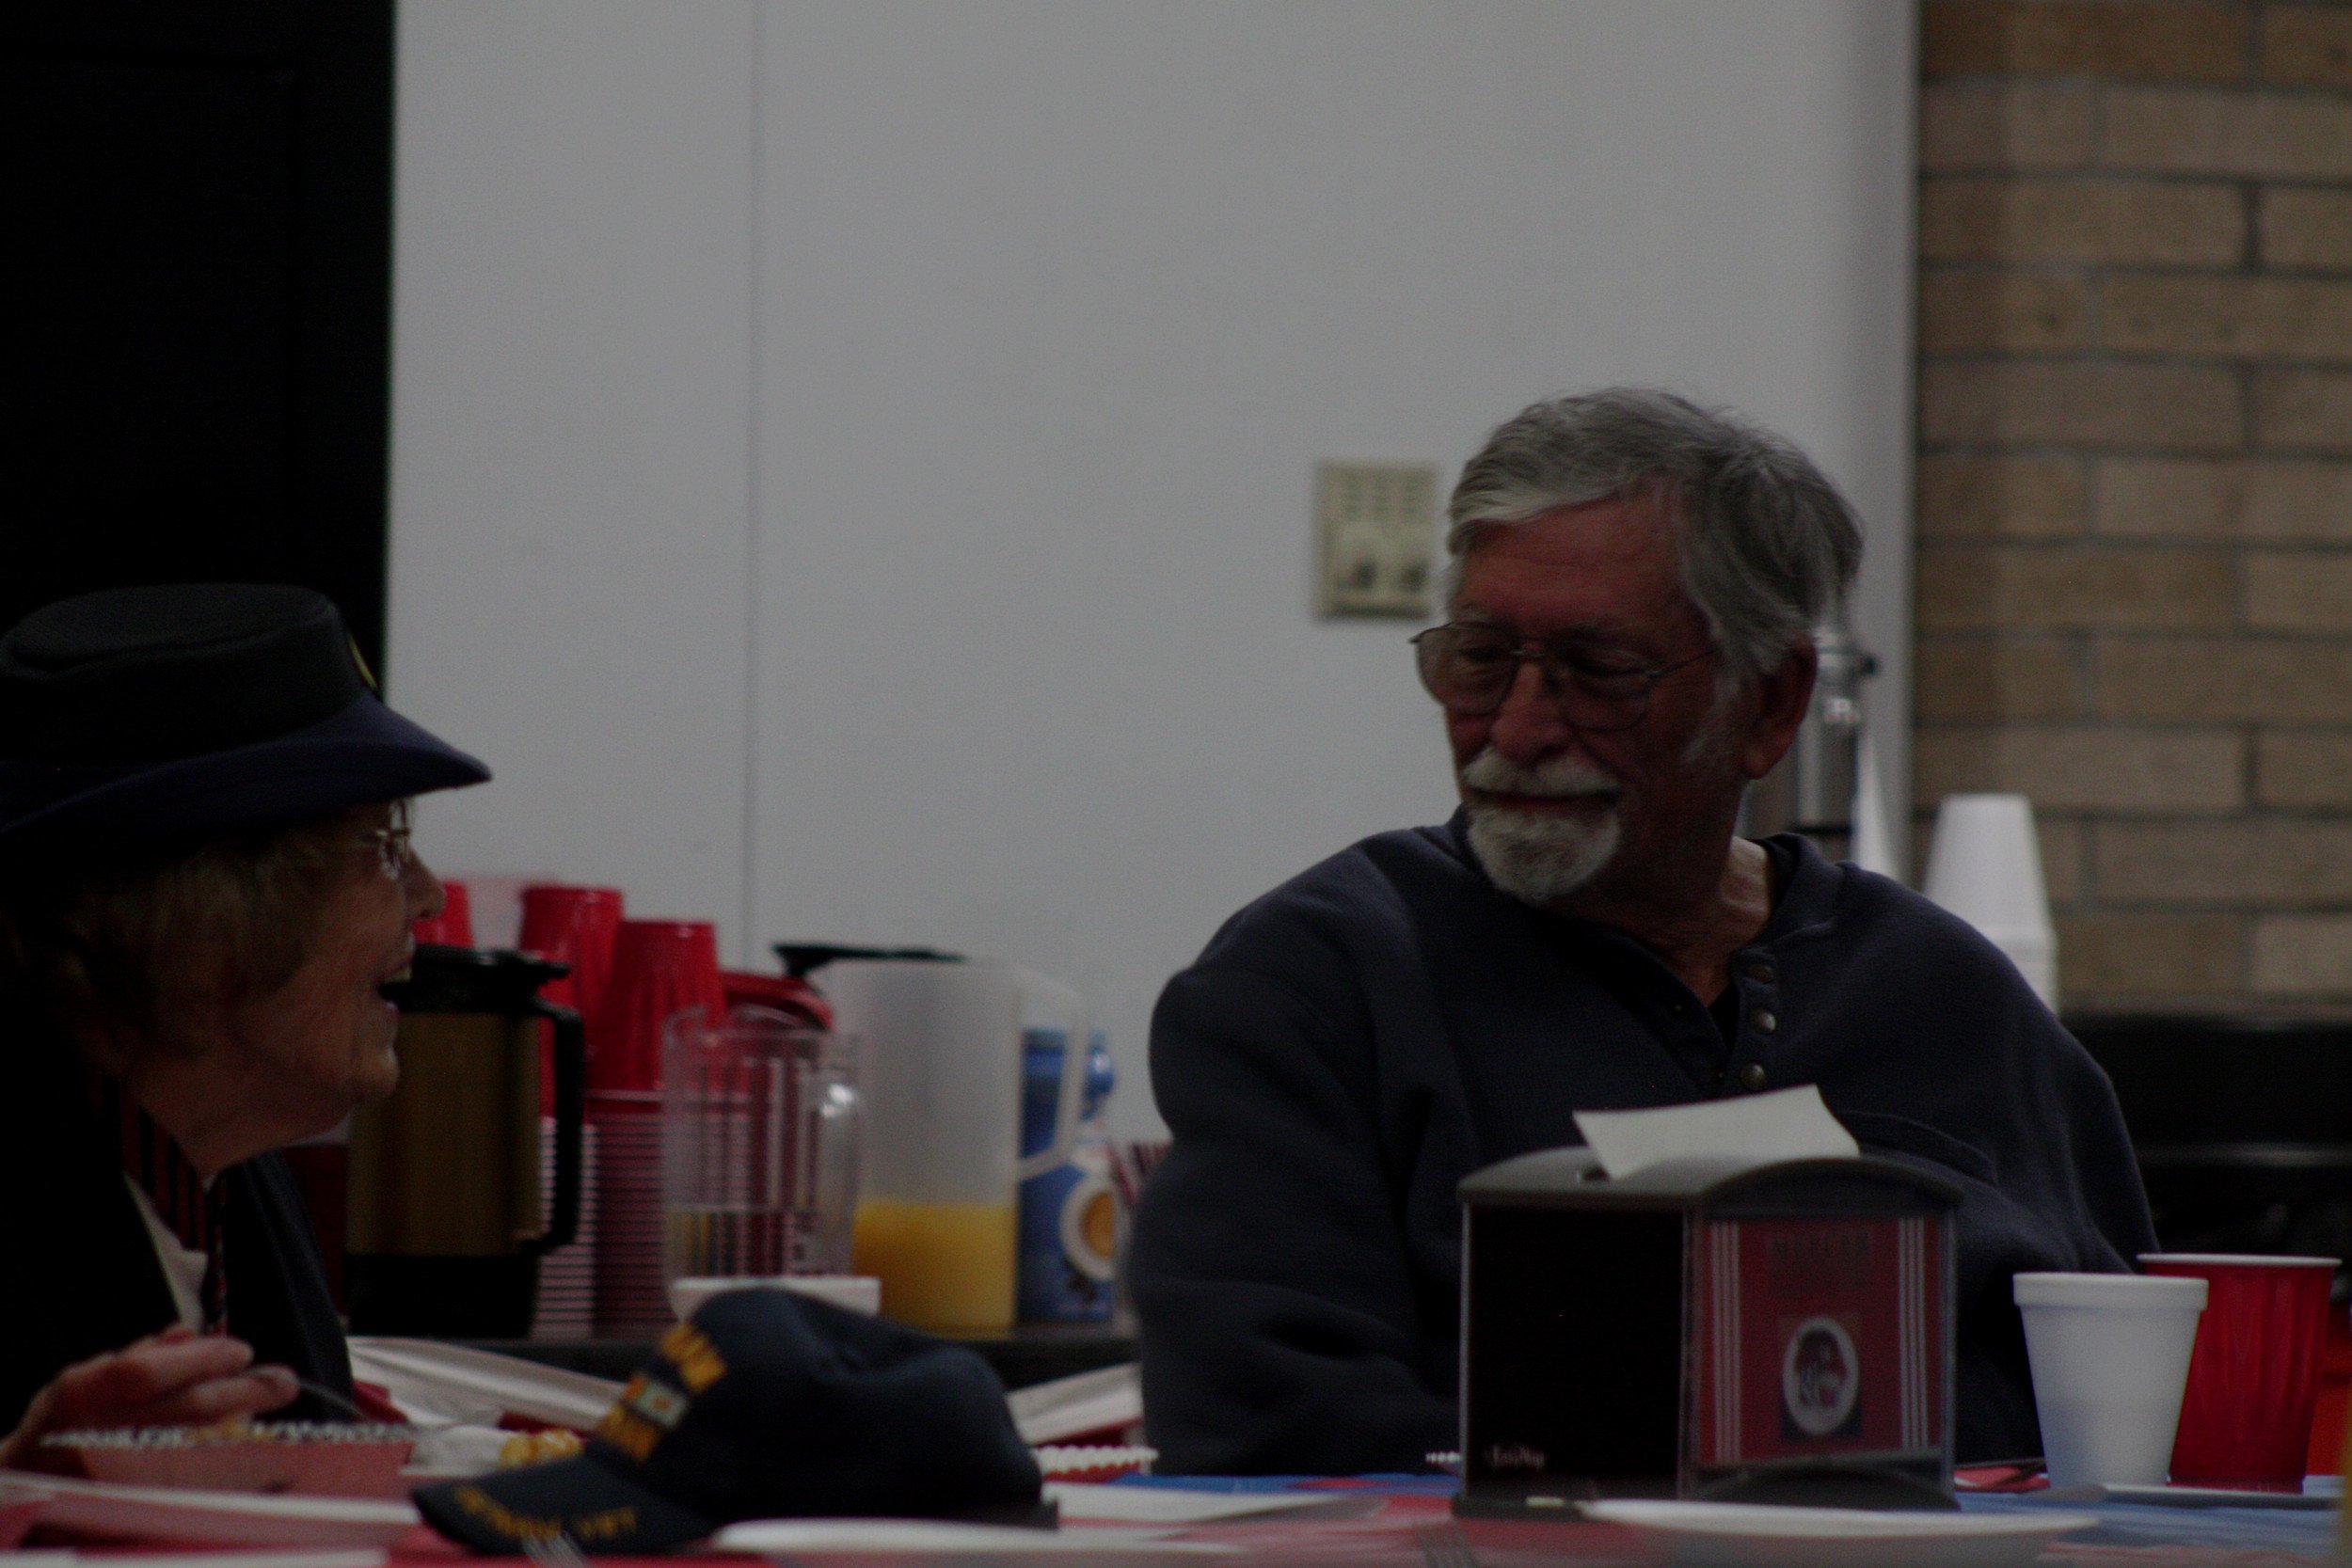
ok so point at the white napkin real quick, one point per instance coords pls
(1757, 1129)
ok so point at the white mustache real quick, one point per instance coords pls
(1562, 776)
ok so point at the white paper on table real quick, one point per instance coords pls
(1757, 1129)
(1109, 1399)
(458, 1451)
(1165, 1505)
(459, 1383)
(441, 1383)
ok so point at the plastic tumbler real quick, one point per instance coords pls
(2245, 1420)
(572, 925)
(575, 927)
(2110, 1355)
(759, 1148)
(661, 968)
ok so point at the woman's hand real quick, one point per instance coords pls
(175, 1378)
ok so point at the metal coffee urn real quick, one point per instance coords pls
(1812, 789)
(1765, 1333)
(445, 1232)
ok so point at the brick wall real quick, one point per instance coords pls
(2134, 509)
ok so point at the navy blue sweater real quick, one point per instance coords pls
(78, 1273)
(1357, 1040)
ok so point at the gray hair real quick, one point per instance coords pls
(1769, 548)
(129, 954)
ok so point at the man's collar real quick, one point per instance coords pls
(1808, 900)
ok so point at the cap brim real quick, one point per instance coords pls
(361, 755)
(598, 1509)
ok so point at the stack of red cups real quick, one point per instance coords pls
(571, 926)
(661, 968)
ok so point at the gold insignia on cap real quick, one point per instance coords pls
(604, 1525)
(520, 1526)
(647, 1408)
(359, 662)
(627, 1426)
(697, 1360)
(658, 1402)
(609, 1525)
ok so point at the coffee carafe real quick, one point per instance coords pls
(445, 1230)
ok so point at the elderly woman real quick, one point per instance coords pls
(205, 879)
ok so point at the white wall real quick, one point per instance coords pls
(571, 473)
(962, 368)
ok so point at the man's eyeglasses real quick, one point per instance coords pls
(1469, 668)
(391, 844)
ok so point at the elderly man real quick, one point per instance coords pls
(1636, 581)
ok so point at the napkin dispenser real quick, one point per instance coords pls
(1704, 1328)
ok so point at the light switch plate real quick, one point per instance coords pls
(1376, 524)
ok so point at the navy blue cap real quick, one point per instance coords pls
(763, 1406)
(179, 711)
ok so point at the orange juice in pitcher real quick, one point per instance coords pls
(939, 1044)
(946, 1268)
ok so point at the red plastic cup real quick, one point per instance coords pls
(661, 968)
(572, 925)
(2253, 1379)
(454, 925)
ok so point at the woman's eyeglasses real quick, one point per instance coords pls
(391, 844)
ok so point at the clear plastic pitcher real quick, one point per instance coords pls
(760, 1147)
(940, 1062)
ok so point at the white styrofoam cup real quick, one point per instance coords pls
(2110, 1359)
(1985, 866)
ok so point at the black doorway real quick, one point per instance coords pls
(195, 379)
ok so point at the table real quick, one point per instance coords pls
(1410, 1524)
(1405, 1522)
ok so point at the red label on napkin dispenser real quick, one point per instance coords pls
(1815, 1338)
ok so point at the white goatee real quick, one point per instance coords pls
(1541, 857)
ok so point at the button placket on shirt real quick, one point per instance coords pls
(1689, 1031)
(1758, 979)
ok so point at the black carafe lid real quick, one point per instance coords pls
(472, 980)
(804, 958)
